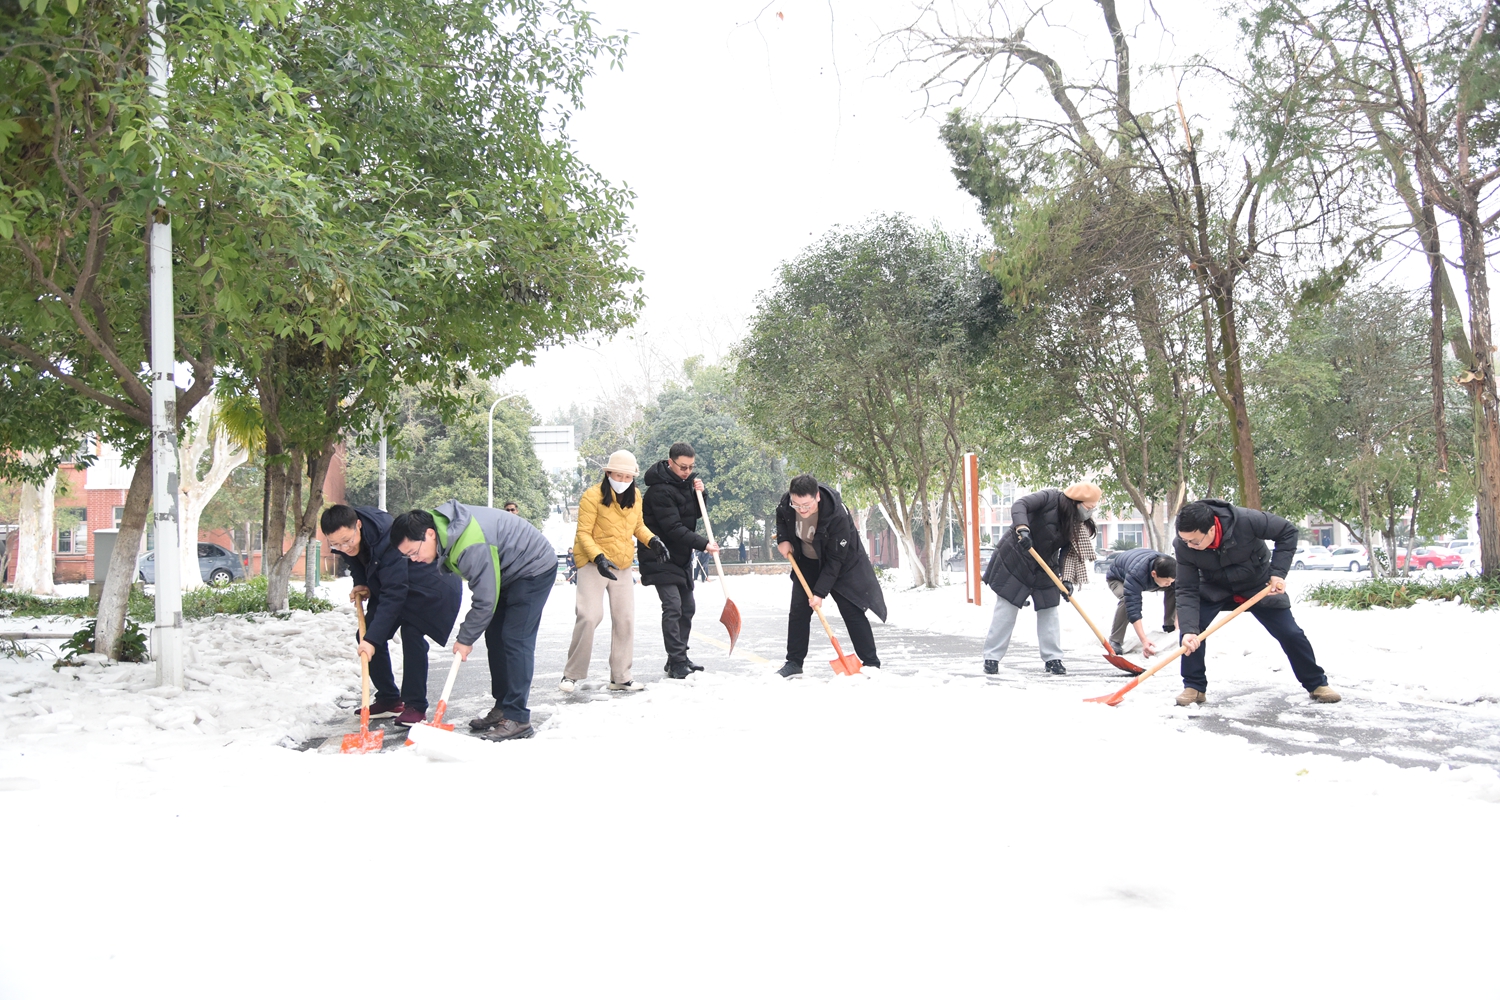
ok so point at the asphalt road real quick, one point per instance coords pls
(1275, 715)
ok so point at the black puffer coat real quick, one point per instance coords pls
(671, 513)
(1012, 573)
(402, 592)
(1239, 567)
(843, 567)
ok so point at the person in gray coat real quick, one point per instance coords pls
(510, 568)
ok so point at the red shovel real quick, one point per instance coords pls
(1119, 696)
(1109, 651)
(843, 663)
(363, 741)
(731, 616)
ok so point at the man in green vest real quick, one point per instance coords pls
(510, 568)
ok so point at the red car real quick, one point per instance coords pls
(1431, 557)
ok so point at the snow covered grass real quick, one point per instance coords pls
(896, 834)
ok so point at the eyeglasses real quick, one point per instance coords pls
(680, 467)
(805, 505)
(512, 508)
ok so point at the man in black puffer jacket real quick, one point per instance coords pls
(1221, 562)
(670, 510)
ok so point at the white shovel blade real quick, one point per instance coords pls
(440, 744)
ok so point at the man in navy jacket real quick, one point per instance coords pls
(412, 597)
(1222, 561)
(1131, 574)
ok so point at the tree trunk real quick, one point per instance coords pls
(114, 598)
(1435, 266)
(194, 493)
(907, 537)
(38, 529)
(1234, 388)
(278, 583)
(1481, 385)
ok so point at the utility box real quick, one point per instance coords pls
(312, 562)
(104, 551)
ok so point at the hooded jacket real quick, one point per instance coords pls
(1012, 572)
(607, 529)
(402, 592)
(1239, 567)
(486, 546)
(671, 512)
(843, 567)
(1132, 569)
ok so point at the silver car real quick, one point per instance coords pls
(218, 565)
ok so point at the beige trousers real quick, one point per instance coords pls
(590, 608)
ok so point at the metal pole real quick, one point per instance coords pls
(492, 448)
(166, 634)
(382, 463)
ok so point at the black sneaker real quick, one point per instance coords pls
(488, 720)
(1119, 649)
(790, 669)
(992, 666)
(693, 666)
(677, 671)
(1056, 667)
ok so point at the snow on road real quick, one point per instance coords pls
(922, 831)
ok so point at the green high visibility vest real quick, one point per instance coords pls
(472, 535)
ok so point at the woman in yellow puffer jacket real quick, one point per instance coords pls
(609, 522)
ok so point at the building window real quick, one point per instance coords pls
(72, 530)
(1130, 535)
(119, 516)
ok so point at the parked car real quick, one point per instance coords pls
(956, 559)
(1307, 557)
(218, 565)
(1346, 557)
(1103, 562)
(1469, 549)
(1431, 557)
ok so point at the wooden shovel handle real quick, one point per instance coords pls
(1048, 570)
(708, 526)
(798, 570)
(359, 613)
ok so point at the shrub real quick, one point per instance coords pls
(132, 643)
(1479, 592)
(244, 598)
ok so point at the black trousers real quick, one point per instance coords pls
(677, 609)
(413, 690)
(1277, 621)
(799, 621)
(510, 642)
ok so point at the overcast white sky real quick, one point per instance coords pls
(746, 135)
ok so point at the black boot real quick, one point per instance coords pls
(677, 671)
(1056, 667)
(790, 669)
(992, 666)
(693, 666)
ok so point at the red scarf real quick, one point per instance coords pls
(1219, 537)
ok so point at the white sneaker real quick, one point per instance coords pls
(568, 685)
(627, 686)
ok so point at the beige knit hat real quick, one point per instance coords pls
(1084, 493)
(623, 461)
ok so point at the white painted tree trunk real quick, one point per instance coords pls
(37, 530)
(194, 493)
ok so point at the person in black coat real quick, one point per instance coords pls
(412, 597)
(815, 528)
(1047, 521)
(670, 511)
(1131, 574)
(1221, 562)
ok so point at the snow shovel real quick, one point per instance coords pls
(363, 741)
(1109, 651)
(442, 705)
(1119, 696)
(731, 616)
(843, 663)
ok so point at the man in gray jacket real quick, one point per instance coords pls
(510, 568)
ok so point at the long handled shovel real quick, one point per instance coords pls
(731, 616)
(843, 663)
(1109, 651)
(1119, 696)
(363, 741)
(442, 705)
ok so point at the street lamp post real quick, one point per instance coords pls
(496, 403)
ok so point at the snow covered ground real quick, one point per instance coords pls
(918, 833)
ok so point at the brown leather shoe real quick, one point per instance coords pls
(488, 720)
(1191, 696)
(1325, 694)
(510, 729)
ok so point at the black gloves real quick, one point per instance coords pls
(658, 546)
(602, 561)
(1067, 589)
(1023, 537)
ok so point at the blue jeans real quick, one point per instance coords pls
(413, 689)
(511, 642)
(1277, 621)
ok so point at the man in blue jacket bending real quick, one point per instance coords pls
(1131, 574)
(411, 597)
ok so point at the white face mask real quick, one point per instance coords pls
(620, 487)
(1088, 513)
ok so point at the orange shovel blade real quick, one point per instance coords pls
(364, 741)
(1124, 664)
(731, 621)
(843, 663)
(1116, 697)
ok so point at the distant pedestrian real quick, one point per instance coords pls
(403, 596)
(1059, 525)
(510, 568)
(1221, 562)
(1130, 574)
(744, 552)
(511, 507)
(671, 513)
(609, 519)
(815, 528)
